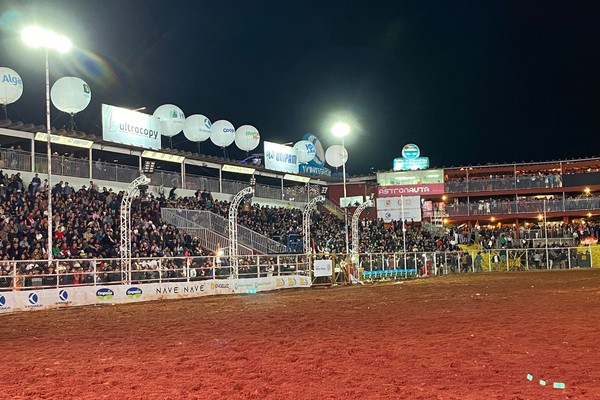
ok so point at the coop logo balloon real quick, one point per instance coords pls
(11, 86)
(222, 133)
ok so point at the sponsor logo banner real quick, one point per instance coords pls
(391, 208)
(422, 189)
(322, 268)
(280, 158)
(133, 128)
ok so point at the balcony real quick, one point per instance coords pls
(494, 207)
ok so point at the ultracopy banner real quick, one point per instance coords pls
(132, 128)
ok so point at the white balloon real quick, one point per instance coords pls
(70, 94)
(11, 86)
(197, 128)
(171, 118)
(336, 155)
(222, 133)
(305, 150)
(247, 137)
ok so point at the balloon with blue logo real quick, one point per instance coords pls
(305, 151)
(171, 119)
(11, 86)
(247, 138)
(70, 94)
(319, 158)
(222, 133)
(197, 128)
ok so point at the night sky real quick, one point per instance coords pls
(470, 82)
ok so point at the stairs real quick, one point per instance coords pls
(213, 230)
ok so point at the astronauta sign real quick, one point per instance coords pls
(410, 190)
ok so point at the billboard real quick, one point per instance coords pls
(410, 164)
(391, 208)
(279, 157)
(423, 189)
(120, 125)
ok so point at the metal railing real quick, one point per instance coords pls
(522, 207)
(28, 275)
(504, 183)
(378, 266)
(204, 183)
(15, 159)
(197, 219)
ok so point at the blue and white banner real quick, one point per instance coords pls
(279, 157)
(132, 128)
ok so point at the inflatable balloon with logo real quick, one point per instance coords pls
(247, 138)
(11, 87)
(171, 119)
(71, 95)
(222, 134)
(197, 129)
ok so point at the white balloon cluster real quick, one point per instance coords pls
(198, 128)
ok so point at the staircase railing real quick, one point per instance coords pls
(215, 223)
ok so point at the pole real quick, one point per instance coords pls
(546, 235)
(48, 131)
(403, 231)
(345, 195)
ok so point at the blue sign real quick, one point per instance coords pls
(63, 295)
(33, 298)
(2, 301)
(411, 151)
(319, 159)
(313, 170)
(411, 164)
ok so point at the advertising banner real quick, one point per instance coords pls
(322, 268)
(132, 128)
(279, 157)
(11, 301)
(390, 208)
(422, 189)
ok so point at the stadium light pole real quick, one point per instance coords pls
(37, 37)
(341, 130)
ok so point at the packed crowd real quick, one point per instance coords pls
(85, 228)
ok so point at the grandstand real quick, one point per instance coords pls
(490, 219)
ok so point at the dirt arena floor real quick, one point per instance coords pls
(458, 337)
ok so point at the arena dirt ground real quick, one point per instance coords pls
(458, 337)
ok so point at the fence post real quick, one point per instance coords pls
(160, 270)
(489, 260)
(591, 257)
(569, 256)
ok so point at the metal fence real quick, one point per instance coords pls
(24, 275)
(15, 159)
(504, 183)
(378, 266)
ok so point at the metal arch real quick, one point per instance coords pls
(125, 218)
(233, 225)
(308, 209)
(355, 217)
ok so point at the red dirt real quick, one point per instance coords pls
(458, 337)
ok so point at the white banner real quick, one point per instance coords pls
(322, 268)
(280, 158)
(132, 128)
(390, 208)
(31, 299)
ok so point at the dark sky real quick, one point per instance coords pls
(468, 81)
